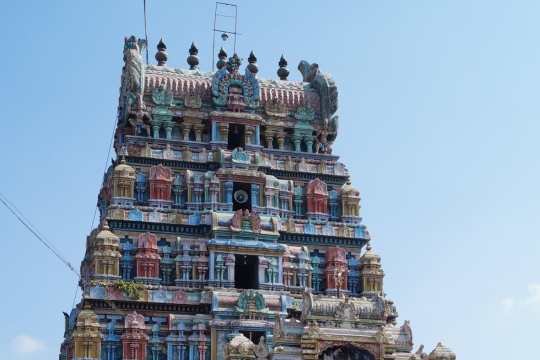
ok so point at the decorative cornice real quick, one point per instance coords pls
(306, 176)
(197, 166)
(316, 239)
(148, 306)
(141, 226)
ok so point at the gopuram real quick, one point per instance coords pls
(228, 228)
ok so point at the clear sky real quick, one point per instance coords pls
(439, 125)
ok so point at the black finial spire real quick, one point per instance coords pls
(222, 59)
(193, 59)
(252, 59)
(282, 72)
(234, 63)
(161, 54)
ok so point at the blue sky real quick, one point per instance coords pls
(439, 119)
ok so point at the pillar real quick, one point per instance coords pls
(215, 133)
(255, 195)
(223, 131)
(211, 264)
(155, 131)
(297, 147)
(228, 192)
(257, 135)
(280, 270)
(309, 144)
(280, 141)
(185, 131)
(269, 138)
(198, 132)
(248, 135)
(168, 132)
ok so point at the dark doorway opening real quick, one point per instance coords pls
(237, 136)
(241, 196)
(246, 272)
(254, 336)
(345, 352)
(303, 146)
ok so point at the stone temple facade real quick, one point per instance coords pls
(228, 228)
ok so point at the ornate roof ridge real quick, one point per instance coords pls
(267, 83)
(179, 71)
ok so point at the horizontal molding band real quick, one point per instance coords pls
(205, 230)
(148, 306)
(128, 225)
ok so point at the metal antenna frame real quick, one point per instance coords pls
(145, 30)
(221, 31)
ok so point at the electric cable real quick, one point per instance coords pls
(22, 219)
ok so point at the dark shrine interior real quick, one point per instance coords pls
(246, 271)
(237, 136)
(241, 196)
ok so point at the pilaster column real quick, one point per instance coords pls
(230, 271)
(168, 131)
(155, 131)
(223, 131)
(211, 257)
(280, 141)
(228, 192)
(297, 141)
(309, 144)
(186, 128)
(248, 135)
(257, 135)
(262, 268)
(215, 134)
(198, 132)
(269, 139)
(280, 269)
(255, 195)
(181, 351)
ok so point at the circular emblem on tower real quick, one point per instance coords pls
(240, 196)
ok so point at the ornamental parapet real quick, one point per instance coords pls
(293, 231)
(343, 312)
(284, 166)
(119, 291)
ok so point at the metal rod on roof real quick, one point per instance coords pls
(221, 31)
(145, 30)
(235, 21)
(214, 38)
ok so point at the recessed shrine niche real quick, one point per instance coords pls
(237, 136)
(254, 336)
(345, 352)
(246, 271)
(241, 197)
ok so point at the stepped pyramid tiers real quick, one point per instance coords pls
(229, 229)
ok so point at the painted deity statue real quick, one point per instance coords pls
(134, 68)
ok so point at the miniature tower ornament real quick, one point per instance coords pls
(252, 60)
(225, 214)
(193, 60)
(282, 72)
(161, 54)
(222, 56)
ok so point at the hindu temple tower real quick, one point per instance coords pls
(229, 230)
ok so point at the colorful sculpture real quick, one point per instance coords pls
(317, 197)
(147, 258)
(160, 180)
